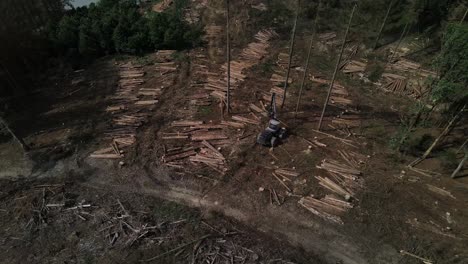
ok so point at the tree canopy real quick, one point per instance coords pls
(121, 26)
(452, 64)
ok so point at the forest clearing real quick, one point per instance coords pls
(129, 132)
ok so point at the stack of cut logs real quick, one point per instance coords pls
(126, 119)
(278, 78)
(329, 208)
(328, 38)
(339, 92)
(354, 66)
(414, 86)
(213, 32)
(131, 101)
(200, 72)
(404, 65)
(192, 13)
(201, 142)
(343, 183)
(249, 57)
(210, 135)
(348, 121)
(162, 5)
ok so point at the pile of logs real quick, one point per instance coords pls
(328, 38)
(192, 13)
(354, 66)
(405, 65)
(250, 56)
(131, 101)
(162, 5)
(125, 116)
(329, 208)
(165, 55)
(343, 182)
(200, 72)
(397, 86)
(211, 157)
(213, 32)
(204, 138)
(339, 93)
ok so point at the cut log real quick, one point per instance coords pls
(245, 120)
(146, 102)
(106, 156)
(200, 136)
(179, 156)
(185, 123)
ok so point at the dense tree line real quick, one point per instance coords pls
(120, 26)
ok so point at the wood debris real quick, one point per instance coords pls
(162, 5)
(287, 173)
(250, 56)
(211, 157)
(336, 167)
(334, 187)
(186, 123)
(245, 120)
(328, 209)
(207, 135)
(354, 66)
(440, 191)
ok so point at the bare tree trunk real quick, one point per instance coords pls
(436, 141)
(462, 146)
(336, 68)
(464, 16)
(15, 137)
(460, 166)
(228, 51)
(308, 59)
(383, 24)
(403, 33)
(291, 51)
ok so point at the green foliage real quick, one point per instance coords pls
(119, 26)
(449, 159)
(452, 64)
(416, 144)
(375, 72)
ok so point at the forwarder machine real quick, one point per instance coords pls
(274, 133)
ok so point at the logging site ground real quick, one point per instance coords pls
(135, 159)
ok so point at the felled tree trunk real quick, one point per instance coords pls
(15, 137)
(460, 166)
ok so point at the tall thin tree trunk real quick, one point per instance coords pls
(308, 59)
(228, 51)
(291, 51)
(460, 166)
(462, 146)
(403, 33)
(464, 16)
(15, 137)
(336, 68)
(444, 133)
(383, 24)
